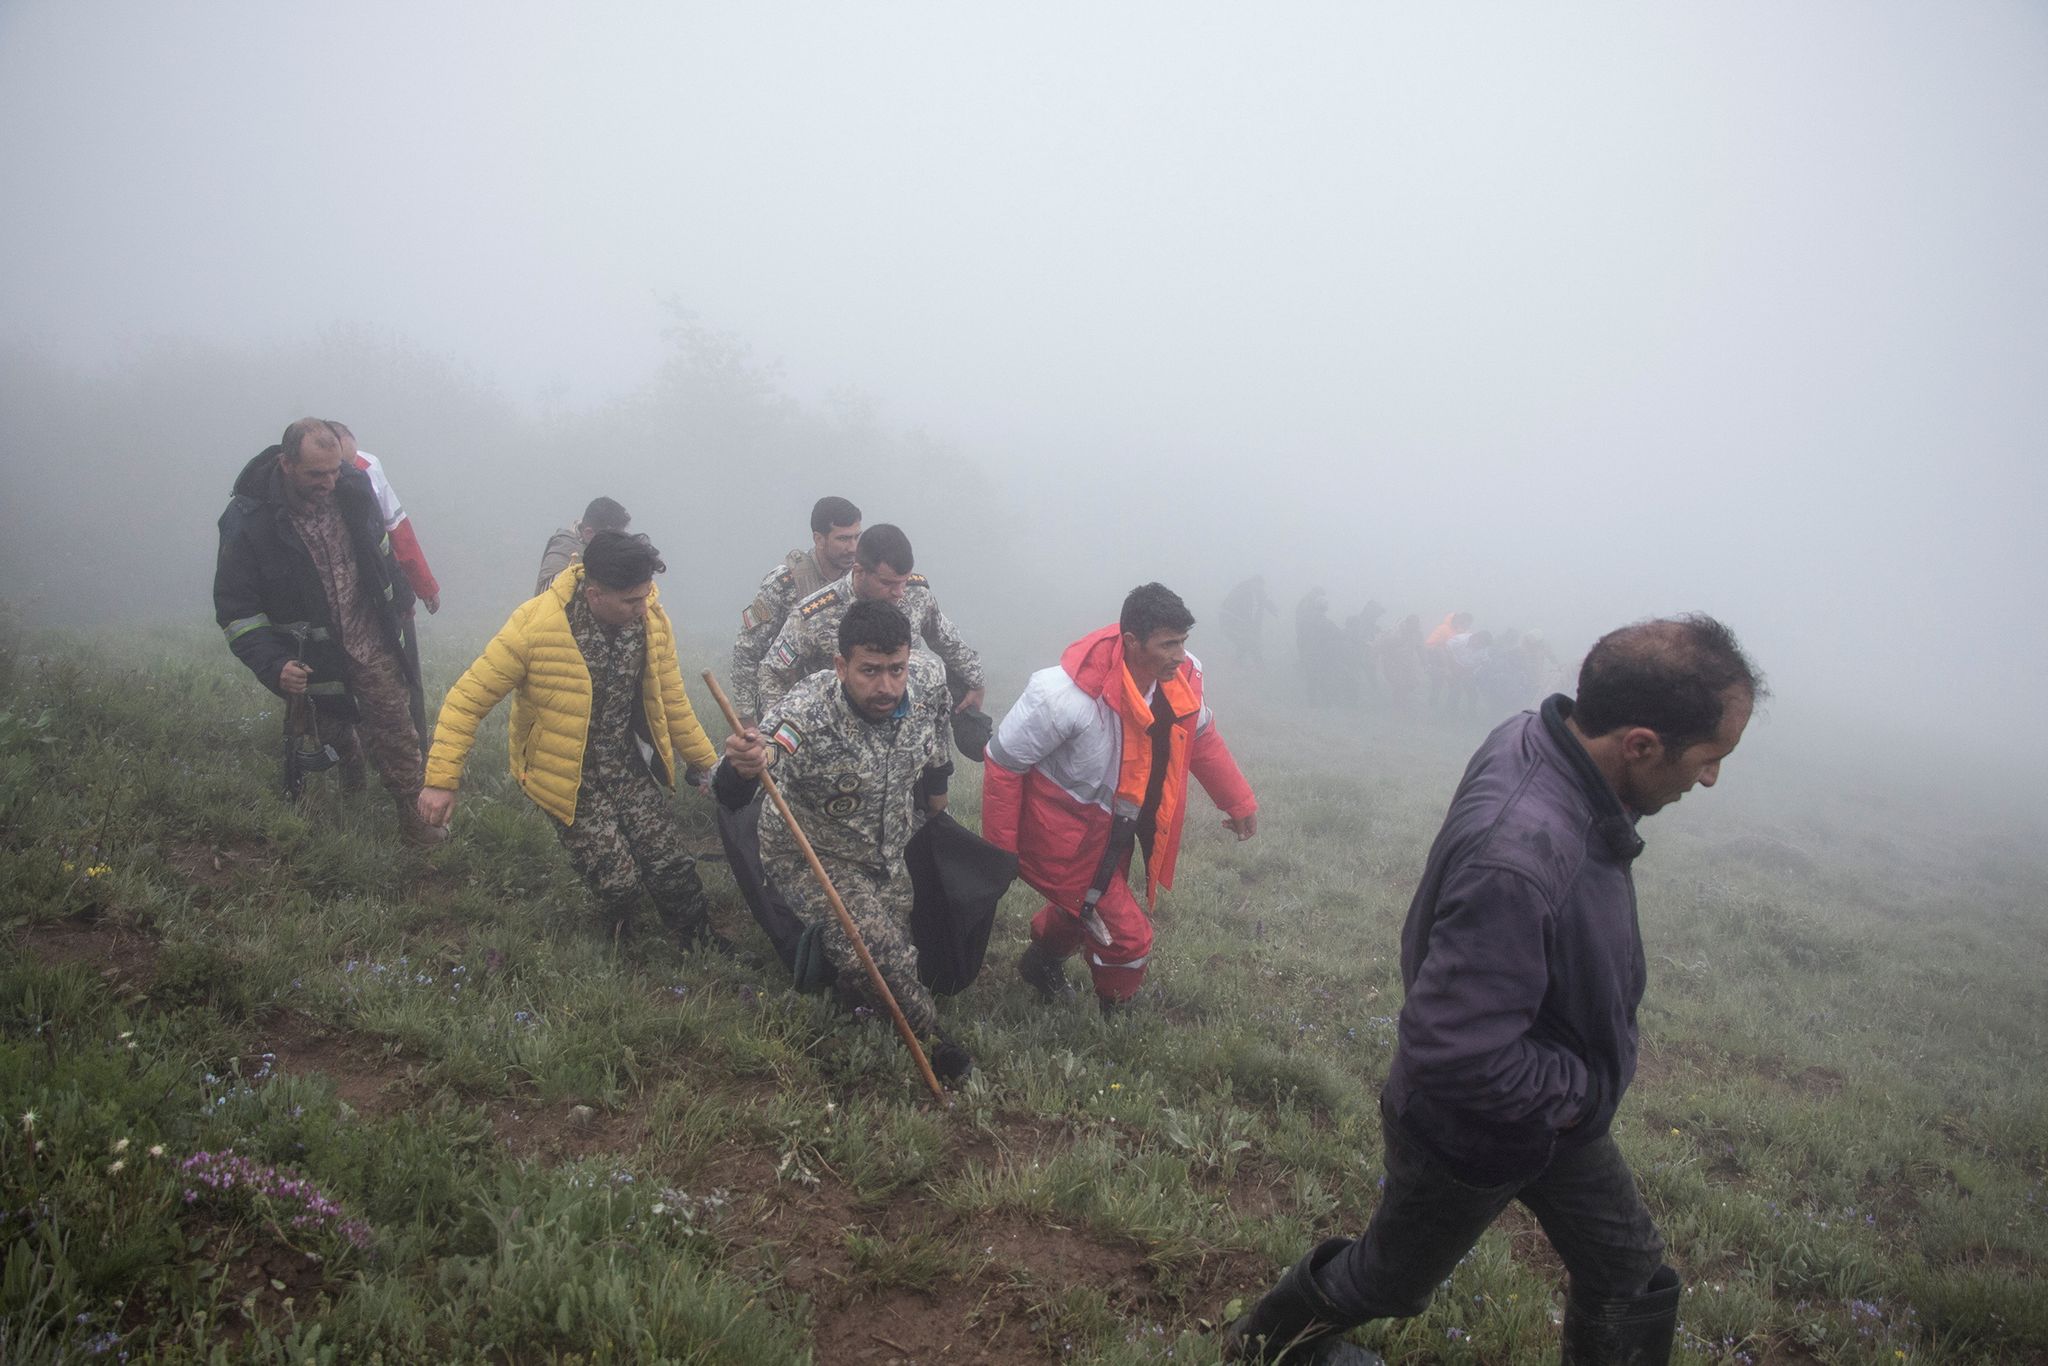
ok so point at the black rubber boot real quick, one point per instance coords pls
(951, 1063)
(1045, 974)
(685, 913)
(1630, 1332)
(1295, 1322)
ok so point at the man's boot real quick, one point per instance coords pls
(1633, 1332)
(1045, 974)
(616, 915)
(951, 1063)
(416, 831)
(1295, 1322)
(354, 772)
(685, 911)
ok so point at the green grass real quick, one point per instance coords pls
(529, 1145)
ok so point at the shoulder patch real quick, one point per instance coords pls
(818, 602)
(789, 737)
(920, 580)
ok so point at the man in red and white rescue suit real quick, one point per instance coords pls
(1093, 761)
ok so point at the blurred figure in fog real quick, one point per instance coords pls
(1361, 631)
(1436, 661)
(565, 547)
(1504, 679)
(1319, 651)
(1245, 609)
(1524, 966)
(1399, 654)
(1465, 654)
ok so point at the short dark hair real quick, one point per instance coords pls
(306, 429)
(884, 544)
(617, 559)
(1670, 674)
(1154, 607)
(827, 513)
(605, 514)
(875, 624)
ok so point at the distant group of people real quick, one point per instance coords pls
(1455, 670)
(1521, 956)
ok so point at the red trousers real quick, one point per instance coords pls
(1118, 967)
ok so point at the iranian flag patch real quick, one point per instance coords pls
(789, 737)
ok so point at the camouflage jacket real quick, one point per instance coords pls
(797, 577)
(853, 783)
(809, 640)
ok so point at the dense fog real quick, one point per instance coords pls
(1564, 315)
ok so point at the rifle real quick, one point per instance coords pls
(303, 751)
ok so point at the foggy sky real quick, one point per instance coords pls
(1568, 315)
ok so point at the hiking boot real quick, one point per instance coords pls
(414, 830)
(686, 912)
(951, 1063)
(1113, 1007)
(1045, 975)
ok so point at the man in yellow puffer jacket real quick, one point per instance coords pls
(599, 721)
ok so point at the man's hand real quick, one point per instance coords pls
(745, 752)
(1244, 827)
(292, 678)
(437, 804)
(972, 699)
(699, 778)
(432, 603)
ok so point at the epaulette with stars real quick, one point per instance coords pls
(825, 597)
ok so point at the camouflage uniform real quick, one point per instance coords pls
(809, 640)
(625, 833)
(796, 578)
(383, 727)
(854, 785)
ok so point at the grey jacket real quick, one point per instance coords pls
(1522, 958)
(565, 548)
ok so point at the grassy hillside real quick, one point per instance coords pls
(275, 1088)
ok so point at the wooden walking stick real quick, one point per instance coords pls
(860, 948)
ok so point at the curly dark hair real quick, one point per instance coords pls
(618, 559)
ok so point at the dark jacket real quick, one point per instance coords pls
(1522, 959)
(264, 581)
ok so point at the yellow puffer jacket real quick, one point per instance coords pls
(535, 658)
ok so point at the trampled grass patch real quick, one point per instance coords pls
(276, 1088)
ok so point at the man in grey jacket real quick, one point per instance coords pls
(1524, 966)
(565, 547)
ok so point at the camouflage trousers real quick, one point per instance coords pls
(626, 838)
(880, 908)
(383, 729)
